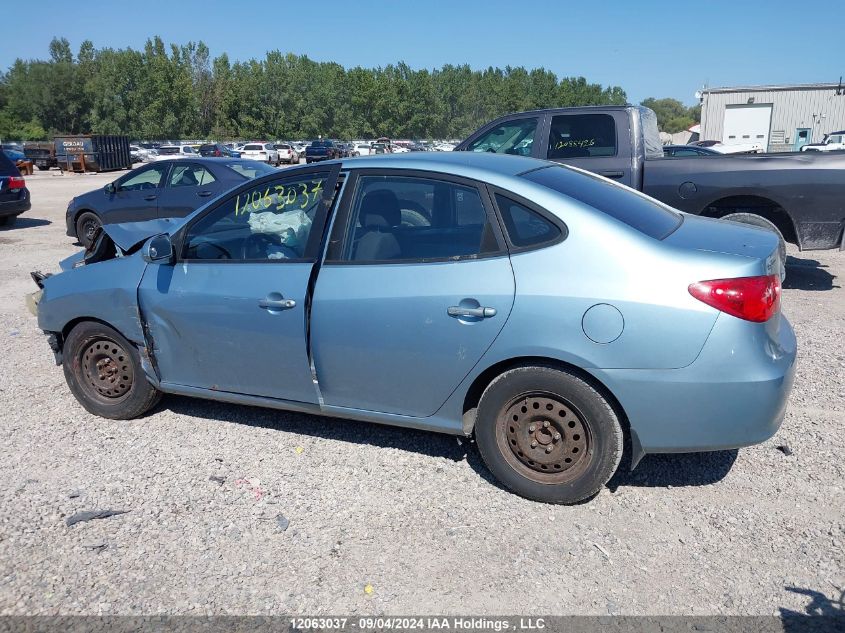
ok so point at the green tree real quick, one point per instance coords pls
(672, 115)
(173, 92)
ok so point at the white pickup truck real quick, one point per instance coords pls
(831, 142)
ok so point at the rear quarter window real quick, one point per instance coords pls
(526, 228)
(619, 202)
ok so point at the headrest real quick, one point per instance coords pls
(380, 209)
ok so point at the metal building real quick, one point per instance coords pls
(781, 118)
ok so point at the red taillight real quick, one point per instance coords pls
(751, 298)
(217, 152)
(16, 182)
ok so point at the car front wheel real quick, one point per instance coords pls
(86, 225)
(548, 435)
(104, 373)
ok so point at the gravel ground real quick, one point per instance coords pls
(385, 520)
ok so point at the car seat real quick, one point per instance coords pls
(379, 215)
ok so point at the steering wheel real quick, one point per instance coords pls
(224, 254)
(255, 246)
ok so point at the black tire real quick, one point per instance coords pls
(86, 224)
(548, 435)
(103, 371)
(758, 220)
(43, 168)
(8, 220)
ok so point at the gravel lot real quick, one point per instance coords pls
(385, 520)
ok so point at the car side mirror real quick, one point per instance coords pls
(158, 249)
(110, 188)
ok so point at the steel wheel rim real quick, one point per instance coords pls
(89, 227)
(545, 438)
(107, 370)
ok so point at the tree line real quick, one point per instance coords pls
(180, 91)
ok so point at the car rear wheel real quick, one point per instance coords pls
(548, 435)
(758, 220)
(86, 225)
(103, 371)
(7, 220)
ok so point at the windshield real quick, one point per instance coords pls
(253, 148)
(637, 210)
(168, 150)
(319, 143)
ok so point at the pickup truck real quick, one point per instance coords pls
(322, 150)
(43, 155)
(799, 195)
(830, 143)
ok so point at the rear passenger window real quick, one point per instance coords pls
(396, 218)
(582, 136)
(525, 227)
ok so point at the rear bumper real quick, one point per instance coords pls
(733, 395)
(15, 207)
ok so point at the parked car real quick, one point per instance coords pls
(141, 154)
(831, 142)
(167, 152)
(14, 196)
(362, 149)
(583, 313)
(218, 150)
(163, 189)
(14, 155)
(263, 151)
(321, 149)
(797, 196)
(287, 153)
(688, 150)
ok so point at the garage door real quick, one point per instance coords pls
(748, 124)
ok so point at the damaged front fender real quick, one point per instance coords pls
(106, 291)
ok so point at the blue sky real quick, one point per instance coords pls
(649, 47)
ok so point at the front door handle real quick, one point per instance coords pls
(150, 197)
(275, 301)
(204, 194)
(612, 174)
(479, 313)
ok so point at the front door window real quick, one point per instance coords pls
(511, 137)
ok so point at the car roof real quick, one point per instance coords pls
(468, 164)
(839, 132)
(206, 160)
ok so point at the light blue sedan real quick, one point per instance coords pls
(550, 313)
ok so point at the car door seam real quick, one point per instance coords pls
(312, 281)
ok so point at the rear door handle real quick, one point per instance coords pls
(150, 197)
(271, 302)
(612, 174)
(203, 194)
(479, 313)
